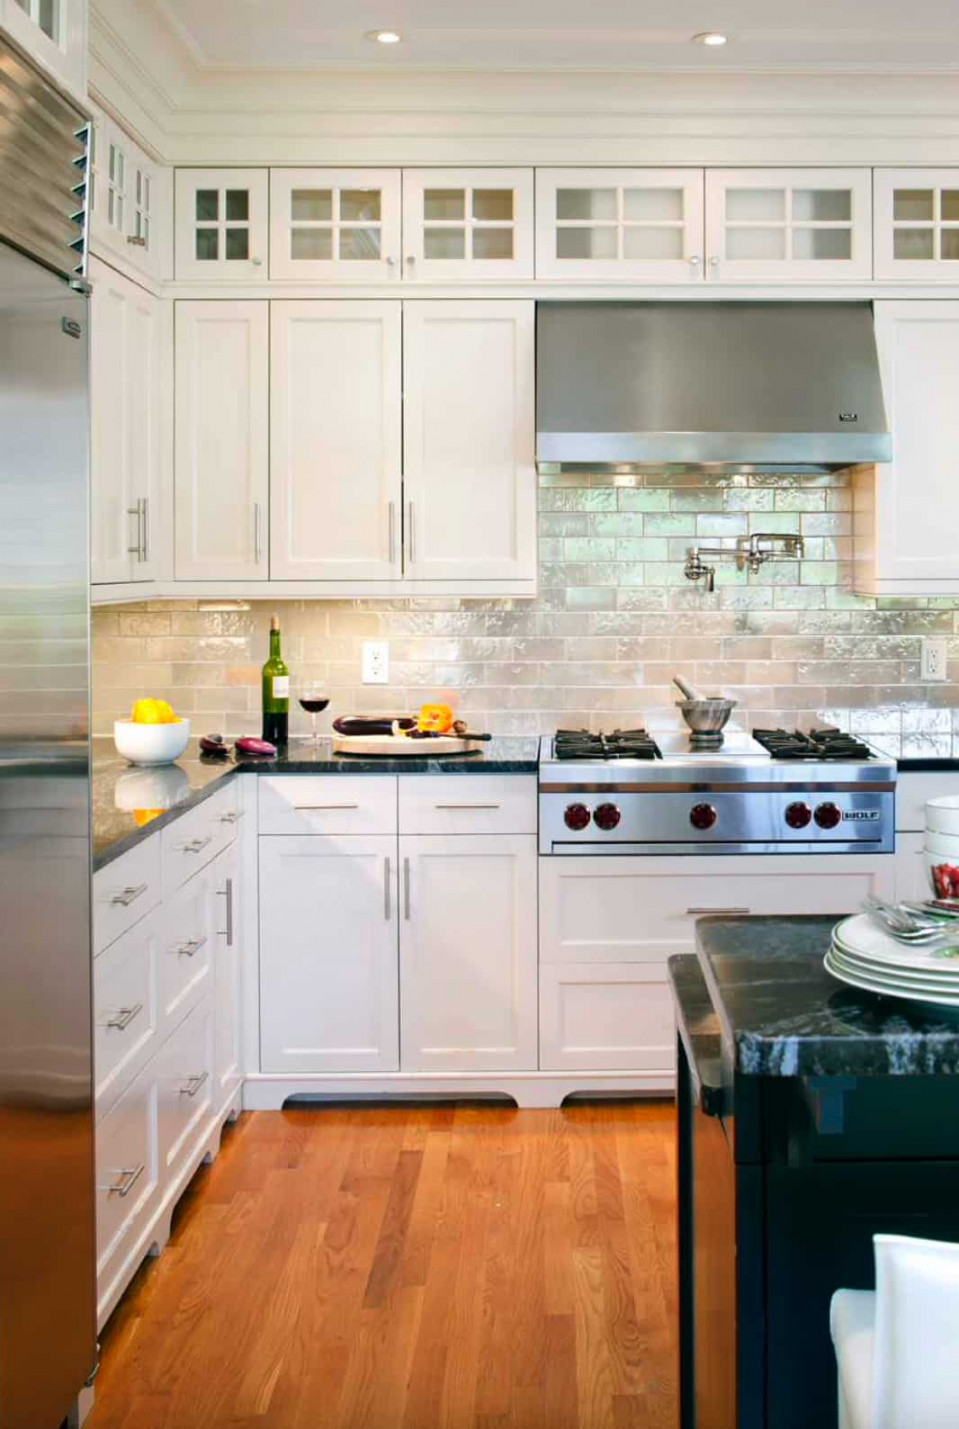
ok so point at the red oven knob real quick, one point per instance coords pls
(828, 816)
(607, 816)
(798, 815)
(576, 817)
(702, 816)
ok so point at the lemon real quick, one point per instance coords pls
(153, 712)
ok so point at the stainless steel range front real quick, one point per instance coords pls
(770, 792)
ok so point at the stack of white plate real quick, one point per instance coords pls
(866, 957)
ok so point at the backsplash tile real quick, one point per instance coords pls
(614, 620)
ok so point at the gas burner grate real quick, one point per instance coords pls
(621, 744)
(821, 744)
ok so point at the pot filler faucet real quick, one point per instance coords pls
(749, 553)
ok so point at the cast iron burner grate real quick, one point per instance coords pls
(621, 744)
(821, 744)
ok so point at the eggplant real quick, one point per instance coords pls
(371, 724)
(248, 744)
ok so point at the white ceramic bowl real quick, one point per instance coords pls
(151, 744)
(943, 874)
(942, 815)
(946, 844)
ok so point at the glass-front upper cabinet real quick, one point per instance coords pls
(129, 202)
(620, 224)
(917, 224)
(788, 225)
(53, 32)
(222, 225)
(337, 225)
(465, 224)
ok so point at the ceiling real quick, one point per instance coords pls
(651, 35)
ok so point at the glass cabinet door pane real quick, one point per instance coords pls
(237, 243)
(48, 17)
(652, 204)
(650, 242)
(311, 205)
(762, 244)
(492, 243)
(493, 205)
(360, 205)
(586, 243)
(207, 205)
(207, 244)
(237, 206)
(913, 243)
(829, 243)
(913, 205)
(822, 205)
(949, 244)
(311, 243)
(581, 204)
(755, 205)
(444, 243)
(949, 205)
(359, 244)
(444, 205)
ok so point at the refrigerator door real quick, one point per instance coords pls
(47, 1230)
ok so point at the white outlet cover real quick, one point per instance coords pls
(934, 660)
(376, 662)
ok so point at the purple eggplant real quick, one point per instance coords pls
(248, 744)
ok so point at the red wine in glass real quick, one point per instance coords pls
(314, 702)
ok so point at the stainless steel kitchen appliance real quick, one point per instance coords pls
(47, 1222)
(774, 791)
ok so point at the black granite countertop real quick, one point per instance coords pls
(130, 803)
(928, 764)
(782, 1015)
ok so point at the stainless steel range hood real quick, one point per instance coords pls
(703, 386)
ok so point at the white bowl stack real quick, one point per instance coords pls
(864, 956)
(942, 846)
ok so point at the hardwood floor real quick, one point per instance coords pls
(453, 1267)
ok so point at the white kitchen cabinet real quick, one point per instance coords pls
(335, 441)
(328, 953)
(184, 1077)
(127, 1020)
(335, 225)
(464, 225)
(54, 33)
(903, 532)
(227, 924)
(128, 1186)
(788, 225)
(222, 476)
(623, 225)
(917, 225)
(222, 226)
(468, 953)
(130, 204)
(469, 442)
(606, 1017)
(186, 949)
(125, 358)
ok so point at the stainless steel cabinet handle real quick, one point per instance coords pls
(257, 262)
(392, 532)
(233, 816)
(411, 531)
(390, 262)
(714, 260)
(145, 536)
(409, 264)
(190, 949)
(193, 1084)
(136, 240)
(227, 893)
(196, 845)
(125, 1182)
(716, 910)
(387, 901)
(313, 808)
(122, 1018)
(139, 511)
(257, 533)
(128, 895)
(695, 259)
(406, 890)
(467, 806)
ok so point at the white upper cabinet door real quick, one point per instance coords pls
(222, 479)
(468, 952)
(914, 532)
(221, 225)
(788, 225)
(335, 225)
(469, 441)
(917, 225)
(130, 217)
(125, 416)
(621, 225)
(329, 994)
(54, 33)
(335, 436)
(461, 225)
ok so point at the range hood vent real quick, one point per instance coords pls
(703, 386)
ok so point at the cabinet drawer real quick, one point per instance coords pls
(605, 1017)
(184, 1076)
(467, 804)
(913, 792)
(327, 804)
(185, 949)
(126, 1175)
(125, 1011)
(193, 840)
(124, 891)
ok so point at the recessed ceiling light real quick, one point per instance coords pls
(384, 37)
(710, 37)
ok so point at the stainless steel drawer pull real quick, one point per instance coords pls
(411, 532)
(227, 893)
(257, 534)
(193, 1084)
(188, 950)
(126, 1180)
(392, 516)
(128, 895)
(315, 808)
(406, 890)
(467, 806)
(387, 901)
(232, 817)
(717, 910)
(122, 1018)
(196, 845)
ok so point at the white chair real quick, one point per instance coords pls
(897, 1348)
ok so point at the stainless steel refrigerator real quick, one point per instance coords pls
(47, 1212)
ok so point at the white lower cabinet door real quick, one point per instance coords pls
(227, 922)
(605, 1017)
(126, 1019)
(127, 1178)
(468, 953)
(185, 958)
(184, 1075)
(328, 954)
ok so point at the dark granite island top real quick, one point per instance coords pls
(782, 1015)
(124, 796)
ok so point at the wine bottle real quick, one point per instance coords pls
(276, 691)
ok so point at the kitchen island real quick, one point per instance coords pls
(811, 1116)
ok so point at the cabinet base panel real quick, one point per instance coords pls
(263, 1092)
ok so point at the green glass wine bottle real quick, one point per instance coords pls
(276, 691)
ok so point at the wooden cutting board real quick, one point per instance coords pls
(393, 745)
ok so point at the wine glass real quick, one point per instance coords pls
(314, 701)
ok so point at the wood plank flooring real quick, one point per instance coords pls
(451, 1267)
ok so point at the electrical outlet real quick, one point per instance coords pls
(376, 662)
(934, 660)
